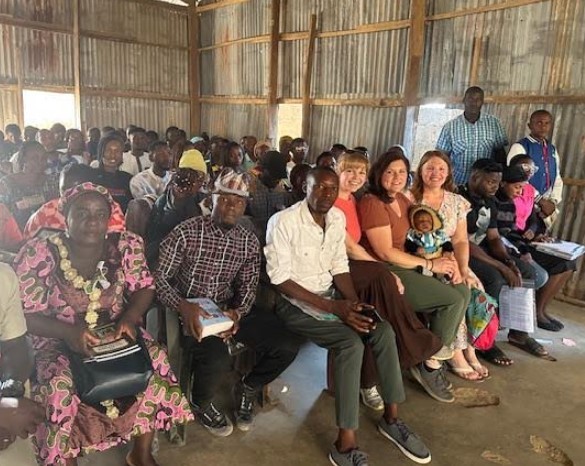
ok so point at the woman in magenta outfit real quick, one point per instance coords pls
(69, 283)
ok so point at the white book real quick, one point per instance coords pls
(217, 323)
(563, 249)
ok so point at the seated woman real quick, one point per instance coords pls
(378, 286)
(68, 282)
(10, 235)
(434, 187)
(108, 173)
(384, 221)
(527, 227)
(25, 191)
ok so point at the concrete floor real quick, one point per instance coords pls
(537, 398)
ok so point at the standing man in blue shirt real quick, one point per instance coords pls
(472, 136)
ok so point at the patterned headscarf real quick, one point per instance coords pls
(72, 194)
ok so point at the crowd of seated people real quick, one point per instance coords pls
(221, 220)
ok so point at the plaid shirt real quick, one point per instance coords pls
(200, 260)
(467, 142)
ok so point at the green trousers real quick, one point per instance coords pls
(445, 303)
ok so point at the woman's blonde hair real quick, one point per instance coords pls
(418, 187)
(352, 159)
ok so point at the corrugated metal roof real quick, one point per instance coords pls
(120, 112)
(240, 69)
(234, 121)
(337, 15)
(234, 22)
(375, 128)
(56, 12)
(135, 20)
(134, 67)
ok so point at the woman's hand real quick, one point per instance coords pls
(469, 278)
(81, 339)
(445, 266)
(399, 283)
(126, 326)
(456, 278)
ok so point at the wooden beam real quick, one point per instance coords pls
(100, 92)
(113, 37)
(219, 4)
(76, 62)
(381, 103)
(476, 52)
(307, 75)
(233, 99)
(574, 182)
(159, 4)
(36, 25)
(246, 40)
(416, 45)
(292, 36)
(367, 29)
(18, 60)
(483, 9)
(272, 107)
(194, 84)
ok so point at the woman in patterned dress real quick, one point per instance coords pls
(69, 283)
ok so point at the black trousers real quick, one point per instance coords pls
(275, 346)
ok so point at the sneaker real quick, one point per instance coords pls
(446, 381)
(433, 383)
(443, 354)
(354, 457)
(245, 408)
(371, 398)
(406, 441)
(213, 420)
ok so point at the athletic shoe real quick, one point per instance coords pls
(371, 398)
(433, 383)
(354, 457)
(246, 397)
(214, 421)
(406, 441)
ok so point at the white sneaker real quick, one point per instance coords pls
(371, 398)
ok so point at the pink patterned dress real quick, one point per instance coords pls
(73, 428)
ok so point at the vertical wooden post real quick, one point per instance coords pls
(194, 85)
(415, 51)
(77, 64)
(307, 75)
(272, 105)
(19, 80)
(561, 11)
(476, 52)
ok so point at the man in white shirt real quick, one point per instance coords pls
(155, 179)
(136, 159)
(307, 263)
(19, 416)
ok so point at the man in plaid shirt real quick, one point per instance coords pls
(472, 136)
(217, 258)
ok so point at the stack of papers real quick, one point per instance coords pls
(110, 348)
(563, 249)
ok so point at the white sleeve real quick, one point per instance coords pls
(137, 187)
(515, 150)
(12, 322)
(557, 189)
(277, 250)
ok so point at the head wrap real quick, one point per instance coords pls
(231, 182)
(193, 159)
(72, 194)
(437, 220)
(196, 139)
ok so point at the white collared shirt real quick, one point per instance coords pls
(298, 249)
(130, 165)
(148, 182)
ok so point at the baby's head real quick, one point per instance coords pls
(422, 221)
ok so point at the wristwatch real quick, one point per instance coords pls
(12, 388)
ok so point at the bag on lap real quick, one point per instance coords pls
(482, 320)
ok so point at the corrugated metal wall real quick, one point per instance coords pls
(133, 58)
(234, 121)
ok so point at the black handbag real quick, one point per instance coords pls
(97, 381)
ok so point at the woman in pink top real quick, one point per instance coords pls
(376, 284)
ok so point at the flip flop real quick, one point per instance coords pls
(465, 373)
(480, 369)
(531, 346)
(496, 356)
(551, 326)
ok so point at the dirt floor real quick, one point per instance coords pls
(541, 403)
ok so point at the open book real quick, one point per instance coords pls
(563, 249)
(110, 347)
(218, 322)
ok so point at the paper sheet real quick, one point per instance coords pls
(517, 308)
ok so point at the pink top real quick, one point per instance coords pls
(524, 205)
(352, 222)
